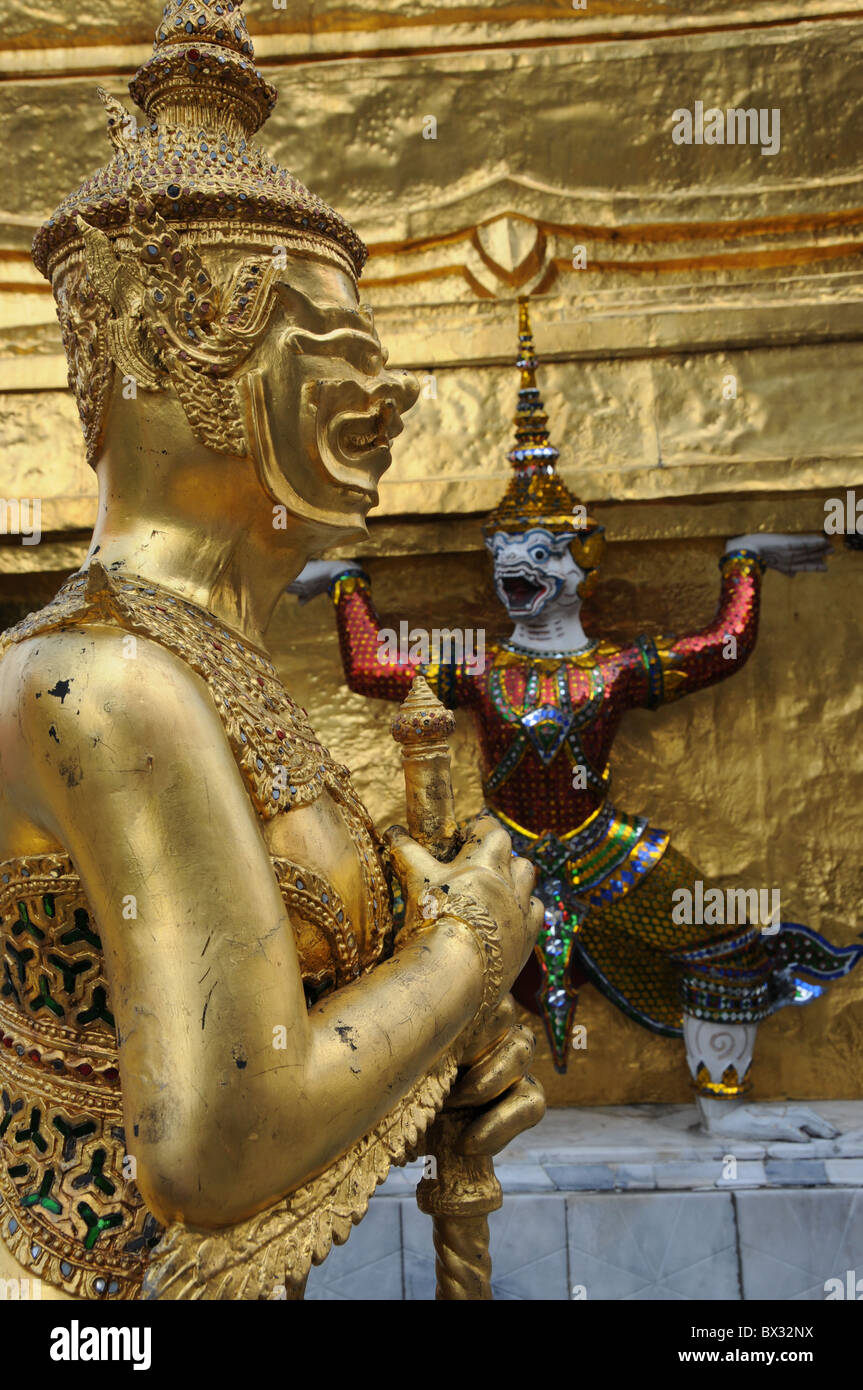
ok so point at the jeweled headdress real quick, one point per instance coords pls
(536, 495)
(121, 251)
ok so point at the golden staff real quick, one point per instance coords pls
(464, 1190)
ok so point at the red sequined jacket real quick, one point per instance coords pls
(547, 724)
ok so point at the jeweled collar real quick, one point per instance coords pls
(565, 655)
(96, 579)
(511, 654)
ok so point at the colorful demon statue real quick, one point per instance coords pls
(548, 704)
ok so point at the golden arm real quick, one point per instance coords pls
(137, 782)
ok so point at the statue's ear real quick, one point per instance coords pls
(121, 288)
(103, 267)
(588, 584)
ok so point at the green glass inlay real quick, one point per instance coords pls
(45, 1000)
(42, 1198)
(71, 1134)
(96, 1225)
(21, 959)
(33, 1134)
(69, 971)
(99, 1010)
(96, 1175)
(81, 931)
(24, 924)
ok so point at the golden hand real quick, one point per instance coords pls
(485, 881)
(499, 1085)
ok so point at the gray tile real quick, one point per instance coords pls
(369, 1266)
(688, 1175)
(631, 1176)
(581, 1177)
(847, 1172)
(523, 1177)
(750, 1173)
(653, 1245)
(528, 1250)
(418, 1253)
(792, 1242)
(795, 1172)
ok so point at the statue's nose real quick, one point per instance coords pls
(407, 389)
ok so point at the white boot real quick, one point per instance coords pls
(720, 1058)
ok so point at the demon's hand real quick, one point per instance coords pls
(788, 554)
(317, 577)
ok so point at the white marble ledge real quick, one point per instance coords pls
(661, 1148)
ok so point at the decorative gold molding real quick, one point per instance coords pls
(332, 29)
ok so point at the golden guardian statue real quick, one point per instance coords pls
(213, 1043)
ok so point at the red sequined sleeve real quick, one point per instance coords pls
(676, 666)
(377, 660)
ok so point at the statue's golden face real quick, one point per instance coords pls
(268, 353)
(331, 407)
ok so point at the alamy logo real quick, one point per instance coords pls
(77, 1343)
(735, 126)
(850, 1287)
(844, 515)
(442, 645)
(731, 907)
(20, 1290)
(21, 517)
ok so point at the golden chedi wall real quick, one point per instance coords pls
(698, 313)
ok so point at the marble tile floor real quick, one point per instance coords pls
(634, 1202)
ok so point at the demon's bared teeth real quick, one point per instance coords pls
(520, 590)
(369, 439)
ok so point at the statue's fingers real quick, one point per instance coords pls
(524, 881)
(494, 1073)
(814, 1123)
(521, 1108)
(488, 844)
(413, 864)
(535, 920)
(803, 564)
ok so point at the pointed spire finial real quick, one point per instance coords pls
(203, 65)
(532, 443)
(536, 495)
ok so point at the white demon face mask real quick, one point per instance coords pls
(534, 570)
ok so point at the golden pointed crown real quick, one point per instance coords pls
(193, 158)
(536, 495)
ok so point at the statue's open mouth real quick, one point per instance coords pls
(364, 434)
(357, 445)
(523, 594)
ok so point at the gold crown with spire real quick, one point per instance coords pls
(123, 252)
(195, 160)
(536, 495)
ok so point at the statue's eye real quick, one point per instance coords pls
(539, 554)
